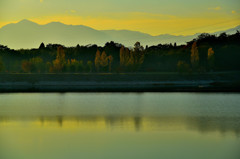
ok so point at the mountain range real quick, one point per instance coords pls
(27, 34)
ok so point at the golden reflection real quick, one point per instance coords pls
(129, 123)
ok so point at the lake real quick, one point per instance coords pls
(119, 126)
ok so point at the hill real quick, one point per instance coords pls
(26, 34)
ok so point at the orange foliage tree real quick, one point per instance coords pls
(211, 58)
(27, 66)
(59, 62)
(97, 60)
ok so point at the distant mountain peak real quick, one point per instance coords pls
(55, 23)
(26, 21)
(28, 34)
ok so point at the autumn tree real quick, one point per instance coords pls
(57, 66)
(59, 62)
(133, 59)
(104, 59)
(97, 60)
(124, 56)
(211, 58)
(138, 53)
(61, 54)
(27, 66)
(194, 56)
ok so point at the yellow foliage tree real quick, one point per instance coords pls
(104, 59)
(138, 53)
(97, 60)
(131, 60)
(60, 54)
(57, 66)
(124, 56)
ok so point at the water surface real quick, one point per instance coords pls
(120, 125)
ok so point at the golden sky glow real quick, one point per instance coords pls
(153, 16)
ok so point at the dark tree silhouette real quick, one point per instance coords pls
(42, 46)
(205, 53)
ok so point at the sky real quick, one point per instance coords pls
(155, 17)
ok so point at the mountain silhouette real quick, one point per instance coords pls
(27, 34)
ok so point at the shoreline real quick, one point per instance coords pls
(136, 82)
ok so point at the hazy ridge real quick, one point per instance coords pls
(27, 34)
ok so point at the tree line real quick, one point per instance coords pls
(205, 53)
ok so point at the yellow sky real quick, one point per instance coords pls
(152, 17)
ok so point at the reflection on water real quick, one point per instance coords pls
(201, 124)
(149, 125)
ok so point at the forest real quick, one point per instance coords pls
(207, 53)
